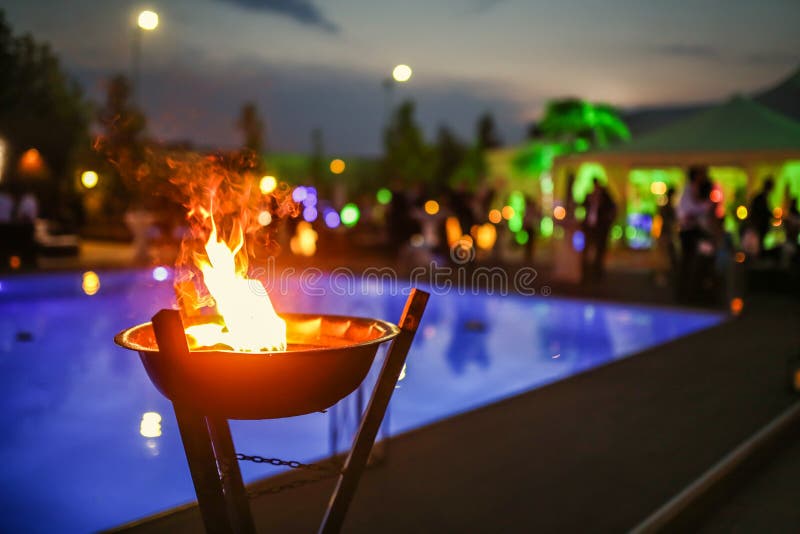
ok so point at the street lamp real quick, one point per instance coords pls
(400, 74)
(146, 21)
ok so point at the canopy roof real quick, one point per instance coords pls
(737, 132)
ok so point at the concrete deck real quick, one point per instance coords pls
(599, 451)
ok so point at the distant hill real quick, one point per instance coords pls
(783, 97)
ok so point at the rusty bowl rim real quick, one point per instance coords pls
(391, 331)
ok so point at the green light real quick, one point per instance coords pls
(517, 201)
(349, 214)
(547, 185)
(521, 237)
(630, 233)
(580, 213)
(384, 196)
(616, 232)
(775, 237)
(546, 226)
(584, 180)
(515, 223)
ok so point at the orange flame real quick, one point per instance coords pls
(250, 321)
(223, 200)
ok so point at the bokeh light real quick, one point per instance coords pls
(31, 162)
(304, 242)
(310, 214)
(90, 283)
(486, 236)
(311, 198)
(350, 214)
(150, 427)
(332, 219)
(737, 305)
(495, 216)
(337, 166)
(658, 188)
(402, 73)
(89, 179)
(268, 184)
(578, 241)
(507, 212)
(148, 20)
(160, 273)
(431, 207)
(383, 196)
(299, 193)
(546, 226)
(559, 213)
(264, 218)
(741, 212)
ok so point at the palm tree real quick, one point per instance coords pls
(572, 119)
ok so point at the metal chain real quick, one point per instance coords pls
(327, 472)
(294, 464)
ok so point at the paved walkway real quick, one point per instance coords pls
(766, 501)
(597, 452)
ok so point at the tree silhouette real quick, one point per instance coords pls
(450, 154)
(251, 125)
(488, 137)
(40, 107)
(407, 159)
(122, 142)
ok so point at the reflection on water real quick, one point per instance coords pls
(150, 427)
(82, 420)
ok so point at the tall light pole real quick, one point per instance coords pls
(146, 21)
(400, 74)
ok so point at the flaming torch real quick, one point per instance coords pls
(229, 355)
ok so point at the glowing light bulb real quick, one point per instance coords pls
(148, 20)
(402, 73)
(89, 179)
(268, 184)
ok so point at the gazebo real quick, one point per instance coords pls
(741, 141)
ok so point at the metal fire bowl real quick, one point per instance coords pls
(322, 365)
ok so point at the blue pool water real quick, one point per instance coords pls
(71, 402)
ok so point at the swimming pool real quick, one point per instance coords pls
(75, 457)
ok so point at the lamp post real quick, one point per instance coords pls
(145, 22)
(400, 74)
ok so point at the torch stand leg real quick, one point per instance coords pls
(209, 447)
(372, 418)
(203, 467)
(232, 484)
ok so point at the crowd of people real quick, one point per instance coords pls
(692, 246)
(705, 250)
